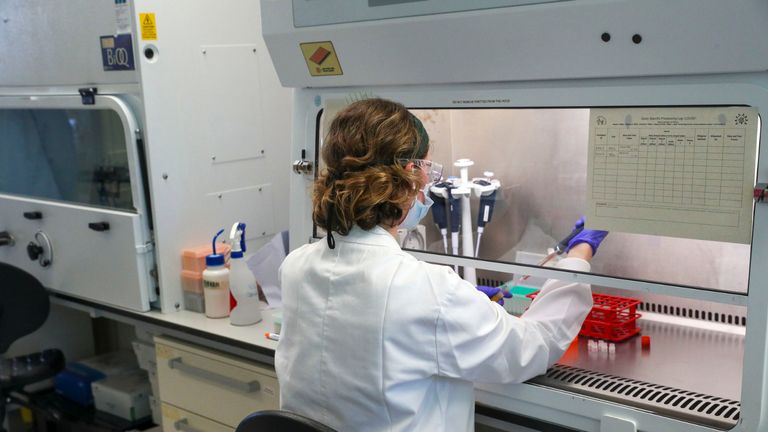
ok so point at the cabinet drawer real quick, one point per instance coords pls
(211, 384)
(178, 420)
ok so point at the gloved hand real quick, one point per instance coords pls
(492, 292)
(591, 237)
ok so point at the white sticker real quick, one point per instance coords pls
(122, 16)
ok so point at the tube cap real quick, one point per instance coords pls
(214, 260)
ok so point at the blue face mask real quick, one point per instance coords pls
(418, 211)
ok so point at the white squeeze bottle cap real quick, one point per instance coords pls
(242, 282)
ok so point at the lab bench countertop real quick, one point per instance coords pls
(252, 334)
(193, 326)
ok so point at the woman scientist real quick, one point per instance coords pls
(374, 339)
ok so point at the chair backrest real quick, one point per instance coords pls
(276, 420)
(24, 305)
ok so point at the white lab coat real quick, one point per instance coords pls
(375, 340)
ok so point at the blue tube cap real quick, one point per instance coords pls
(214, 260)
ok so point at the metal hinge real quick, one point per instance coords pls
(145, 248)
(302, 166)
(88, 95)
(760, 192)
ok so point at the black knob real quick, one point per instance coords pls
(34, 251)
(99, 226)
(32, 215)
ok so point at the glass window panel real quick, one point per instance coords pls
(540, 158)
(72, 155)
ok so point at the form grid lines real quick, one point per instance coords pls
(690, 167)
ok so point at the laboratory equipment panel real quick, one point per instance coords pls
(192, 160)
(217, 127)
(689, 287)
(640, 128)
(447, 41)
(190, 377)
(73, 197)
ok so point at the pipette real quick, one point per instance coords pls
(485, 209)
(439, 195)
(447, 205)
(454, 205)
(559, 249)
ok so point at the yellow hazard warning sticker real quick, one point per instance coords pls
(148, 26)
(321, 58)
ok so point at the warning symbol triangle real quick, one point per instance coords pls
(148, 20)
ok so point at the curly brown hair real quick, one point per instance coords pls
(365, 183)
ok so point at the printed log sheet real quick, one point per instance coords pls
(681, 172)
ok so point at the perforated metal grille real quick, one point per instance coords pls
(672, 402)
(489, 282)
(695, 313)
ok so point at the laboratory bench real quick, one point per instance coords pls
(685, 366)
(689, 372)
(678, 357)
(206, 374)
(243, 352)
(247, 341)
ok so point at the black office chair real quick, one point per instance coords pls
(24, 307)
(277, 420)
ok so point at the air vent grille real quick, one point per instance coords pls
(489, 282)
(672, 402)
(694, 313)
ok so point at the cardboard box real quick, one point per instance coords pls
(125, 396)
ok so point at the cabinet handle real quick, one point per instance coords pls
(241, 386)
(99, 226)
(33, 215)
(183, 426)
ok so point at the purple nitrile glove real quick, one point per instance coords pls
(590, 237)
(492, 292)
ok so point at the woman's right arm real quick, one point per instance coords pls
(478, 340)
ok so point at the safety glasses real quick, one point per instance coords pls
(433, 170)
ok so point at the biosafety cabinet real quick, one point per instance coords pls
(130, 130)
(644, 117)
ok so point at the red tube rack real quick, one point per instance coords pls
(612, 318)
